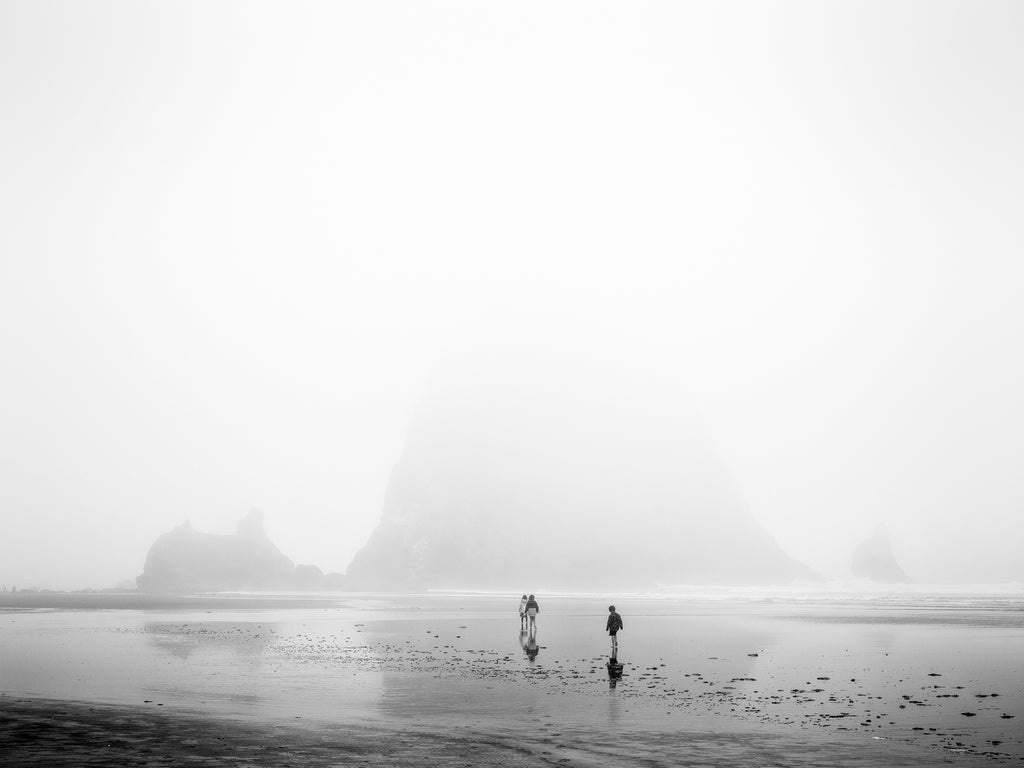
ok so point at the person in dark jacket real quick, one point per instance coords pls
(613, 626)
(532, 609)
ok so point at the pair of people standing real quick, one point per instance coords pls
(528, 610)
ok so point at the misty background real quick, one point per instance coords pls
(241, 241)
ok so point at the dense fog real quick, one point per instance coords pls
(249, 247)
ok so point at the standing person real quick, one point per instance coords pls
(522, 613)
(532, 609)
(613, 626)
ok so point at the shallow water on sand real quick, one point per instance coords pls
(906, 672)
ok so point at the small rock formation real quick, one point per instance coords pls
(185, 560)
(873, 559)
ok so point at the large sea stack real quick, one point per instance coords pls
(577, 476)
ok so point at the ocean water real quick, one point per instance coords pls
(935, 672)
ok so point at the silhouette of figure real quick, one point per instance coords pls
(528, 640)
(532, 609)
(613, 626)
(614, 673)
(522, 613)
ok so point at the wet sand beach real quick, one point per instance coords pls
(47, 732)
(37, 732)
(407, 680)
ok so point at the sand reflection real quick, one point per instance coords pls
(615, 668)
(182, 640)
(528, 641)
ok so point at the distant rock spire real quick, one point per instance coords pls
(874, 559)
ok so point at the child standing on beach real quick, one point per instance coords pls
(613, 626)
(532, 609)
(522, 613)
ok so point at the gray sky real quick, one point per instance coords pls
(241, 239)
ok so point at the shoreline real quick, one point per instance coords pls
(952, 600)
(141, 601)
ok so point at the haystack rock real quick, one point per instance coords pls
(563, 476)
(874, 559)
(185, 560)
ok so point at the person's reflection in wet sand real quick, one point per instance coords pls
(614, 672)
(528, 640)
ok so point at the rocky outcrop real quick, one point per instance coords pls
(521, 477)
(185, 560)
(874, 559)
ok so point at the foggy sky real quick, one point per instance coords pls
(241, 240)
